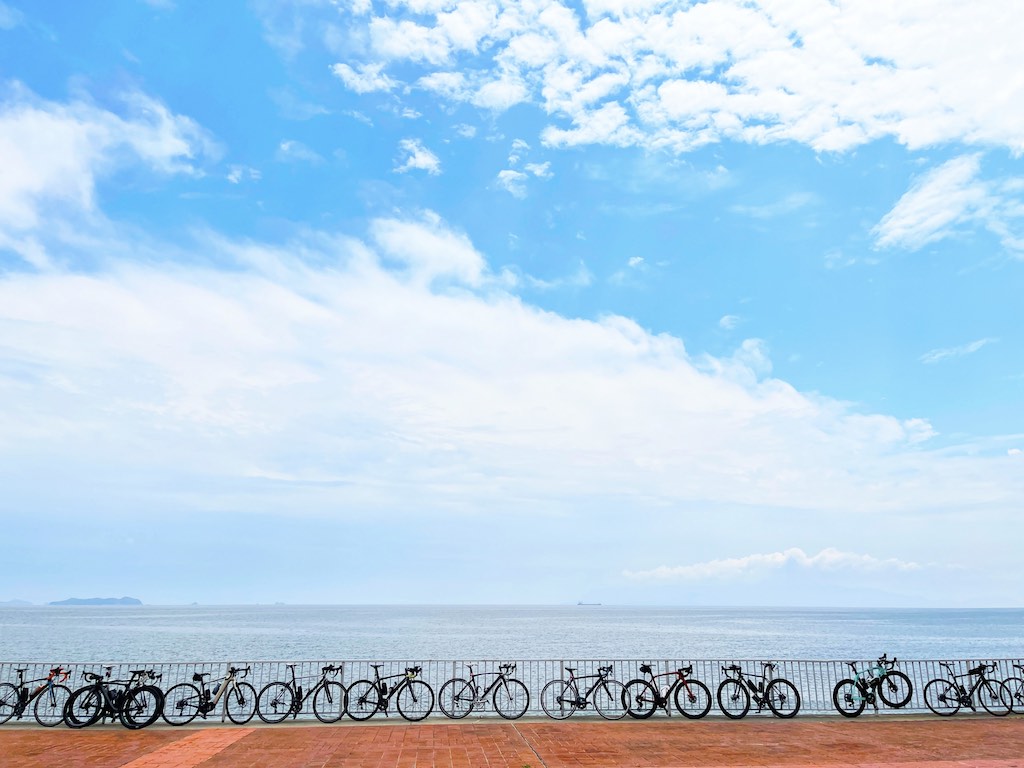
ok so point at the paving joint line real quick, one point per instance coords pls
(527, 743)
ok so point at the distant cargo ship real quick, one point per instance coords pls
(582, 603)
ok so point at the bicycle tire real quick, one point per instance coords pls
(329, 702)
(49, 707)
(994, 697)
(942, 697)
(692, 699)
(1015, 686)
(456, 698)
(895, 689)
(415, 700)
(141, 707)
(362, 700)
(554, 700)
(182, 703)
(511, 699)
(847, 698)
(275, 702)
(240, 703)
(783, 698)
(9, 699)
(733, 699)
(610, 700)
(640, 698)
(84, 707)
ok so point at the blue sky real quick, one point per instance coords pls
(483, 301)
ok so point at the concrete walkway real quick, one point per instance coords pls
(869, 742)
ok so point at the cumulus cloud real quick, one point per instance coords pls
(758, 565)
(365, 78)
(659, 74)
(415, 156)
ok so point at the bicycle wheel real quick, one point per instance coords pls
(456, 698)
(639, 698)
(84, 707)
(511, 699)
(783, 698)
(610, 700)
(362, 700)
(693, 699)
(896, 689)
(8, 702)
(558, 699)
(181, 704)
(329, 702)
(275, 702)
(995, 697)
(1013, 684)
(942, 697)
(240, 703)
(141, 707)
(49, 706)
(415, 701)
(733, 699)
(848, 699)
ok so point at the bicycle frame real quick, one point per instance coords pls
(746, 679)
(663, 697)
(603, 674)
(229, 683)
(501, 676)
(26, 696)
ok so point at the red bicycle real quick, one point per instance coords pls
(692, 698)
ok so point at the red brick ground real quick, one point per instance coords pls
(902, 742)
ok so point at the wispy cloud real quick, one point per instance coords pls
(728, 322)
(788, 205)
(949, 353)
(415, 156)
(365, 78)
(758, 565)
(291, 151)
(9, 17)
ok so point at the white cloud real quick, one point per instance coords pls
(938, 355)
(417, 157)
(784, 207)
(9, 17)
(758, 565)
(728, 322)
(513, 182)
(54, 153)
(238, 173)
(429, 249)
(367, 78)
(291, 151)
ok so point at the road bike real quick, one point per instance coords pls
(880, 681)
(47, 699)
(184, 702)
(777, 693)
(277, 700)
(945, 696)
(1015, 685)
(692, 698)
(509, 696)
(136, 702)
(560, 698)
(414, 699)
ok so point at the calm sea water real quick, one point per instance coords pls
(221, 633)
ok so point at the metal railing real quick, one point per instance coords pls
(814, 679)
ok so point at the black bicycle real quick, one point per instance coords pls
(736, 692)
(277, 700)
(692, 698)
(881, 681)
(47, 699)
(413, 698)
(184, 702)
(136, 702)
(510, 697)
(945, 696)
(1015, 685)
(560, 698)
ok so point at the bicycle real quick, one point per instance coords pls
(184, 702)
(414, 699)
(135, 702)
(47, 699)
(277, 700)
(692, 698)
(880, 681)
(509, 696)
(777, 693)
(945, 696)
(1015, 686)
(560, 698)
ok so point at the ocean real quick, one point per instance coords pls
(285, 632)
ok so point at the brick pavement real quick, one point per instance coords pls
(871, 742)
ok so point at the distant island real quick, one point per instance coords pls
(98, 601)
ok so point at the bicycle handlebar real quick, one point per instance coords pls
(239, 671)
(507, 667)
